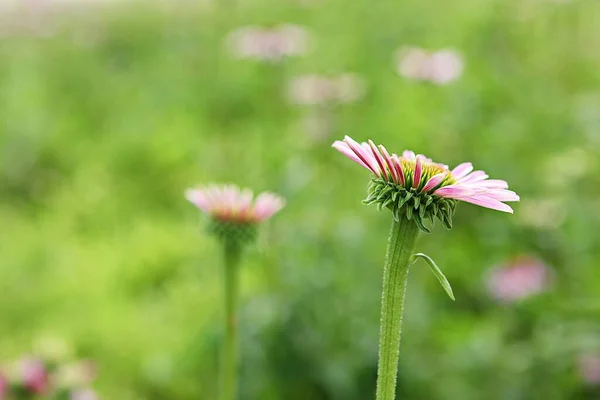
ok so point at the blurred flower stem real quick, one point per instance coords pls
(229, 357)
(400, 250)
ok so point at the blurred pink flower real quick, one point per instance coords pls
(518, 279)
(439, 67)
(589, 368)
(83, 394)
(421, 175)
(3, 387)
(318, 89)
(268, 44)
(230, 203)
(34, 375)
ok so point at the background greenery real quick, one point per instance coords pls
(108, 114)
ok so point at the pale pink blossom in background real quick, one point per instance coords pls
(419, 173)
(589, 368)
(268, 44)
(439, 67)
(3, 387)
(83, 394)
(542, 213)
(230, 203)
(315, 89)
(76, 374)
(580, 162)
(34, 375)
(318, 126)
(518, 279)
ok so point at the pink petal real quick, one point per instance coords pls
(417, 175)
(398, 167)
(433, 182)
(462, 170)
(409, 155)
(487, 202)
(266, 205)
(474, 177)
(371, 157)
(456, 191)
(502, 195)
(347, 151)
(379, 159)
(389, 163)
(360, 153)
(197, 197)
(494, 184)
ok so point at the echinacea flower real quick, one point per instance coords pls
(234, 212)
(439, 67)
(415, 186)
(234, 215)
(520, 278)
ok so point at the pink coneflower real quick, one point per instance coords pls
(232, 204)
(317, 89)
(34, 375)
(518, 279)
(268, 44)
(3, 387)
(438, 67)
(589, 368)
(426, 188)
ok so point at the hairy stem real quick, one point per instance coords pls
(229, 356)
(401, 244)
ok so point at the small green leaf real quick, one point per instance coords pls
(437, 272)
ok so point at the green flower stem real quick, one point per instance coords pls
(229, 356)
(401, 245)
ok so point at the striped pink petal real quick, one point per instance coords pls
(347, 151)
(474, 177)
(456, 191)
(418, 171)
(494, 184)
(371, 157)
(379, 159)
(360, 153)
(398, 166)
(433, 182)
(389, 163)
(462, 170)
(487, 202)
(502, 195)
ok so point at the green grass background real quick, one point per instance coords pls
(111, 113)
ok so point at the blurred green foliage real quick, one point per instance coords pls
(106, 119)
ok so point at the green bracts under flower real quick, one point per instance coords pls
(410, 204)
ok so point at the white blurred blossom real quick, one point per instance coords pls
(589, 368)
(268, 44)
(320, 89)
(439, 67)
